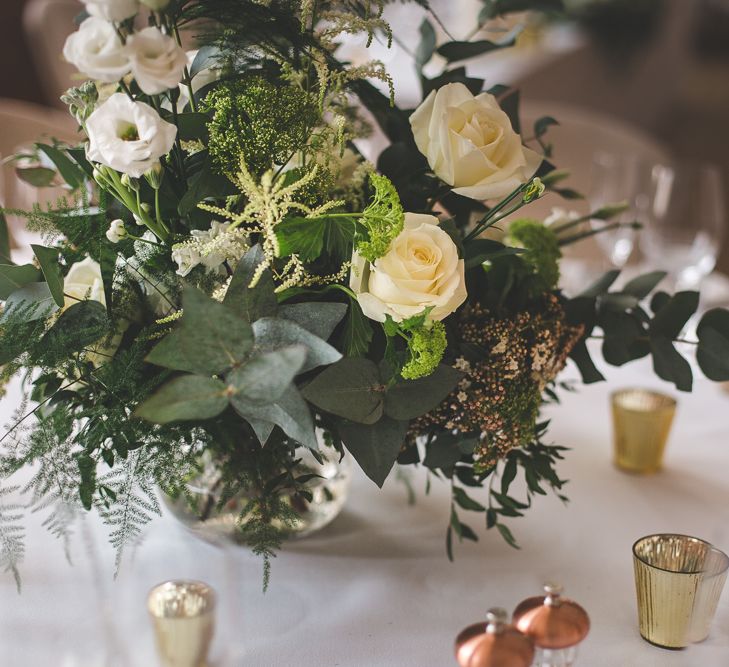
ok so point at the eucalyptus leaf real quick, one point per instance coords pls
(206, 58)
(669, 365)
(38, 177)
(48, 260)
(541, 125)
(581, 356)
(4, 240)
(643, 285)
(601, 285)
(80, 325)
(317, 318)
(14, 277)
(265, 377)
(375, 447)
(427, 43)
(712, 353)
(209, 339)
(357, 332)
(251, 303)
(411, 398)
(189, 397)
(272, 333)
(290, 412)
(673, 315)
(458, 50)
(351, 388)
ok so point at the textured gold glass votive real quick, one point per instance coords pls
(642, 421)
(183, 617)
(678, 581)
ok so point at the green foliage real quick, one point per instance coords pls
(264, 122)
(48, 260)
(382, 220)
(309, 237)
(12, 547)
(251, 303)
(541, 251)
(13, 277)
(713, 348)
(426, 346)
(189, 397)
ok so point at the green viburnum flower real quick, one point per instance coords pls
(265, 122)
(541, 250)
(383, 219)
(426, 346)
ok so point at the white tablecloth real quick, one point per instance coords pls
(375, 587)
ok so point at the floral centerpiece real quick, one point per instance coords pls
(227, 279)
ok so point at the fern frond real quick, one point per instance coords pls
(12, 533)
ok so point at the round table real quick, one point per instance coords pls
(375, 587)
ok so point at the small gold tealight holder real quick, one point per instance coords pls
(642, 421)
(678, 582)
(183, 616)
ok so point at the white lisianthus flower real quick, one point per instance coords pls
(157, 60)
(470, 143)
(127, 136)
(117, 231)
(112, 10)
(96, 50)
(420, 270)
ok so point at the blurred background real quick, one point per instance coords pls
(634, 83)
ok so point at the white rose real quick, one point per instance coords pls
(112, 10)
(96, 50)
(470, 144)
(84, 282)
(127, 136)
(420, 270)
(157, 60)
(117, 231)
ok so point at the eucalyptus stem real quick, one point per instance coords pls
(593, 232)
(487, 221)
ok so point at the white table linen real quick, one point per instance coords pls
(375, 588)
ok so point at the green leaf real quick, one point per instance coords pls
(479, 251)
(456, 50)
(442, 453)
(251, 303)
(206, 183)
(4, 240)
(189, 397)
(48, 260)
(507, 535)
(272, 333)
(601, 285)
(427, 43)
(33, 293)
(509, 474)
(70, 172)
(206, 57)
(290, 412)
(581, 356)
(465, 501)
(673, 315)
(14, 277)
(192, 126)
(357, 333)
(317, 318)
(208, 339)
(351, 388)
(641, 286)
(87, 487)
(38, 177)
(80, 325)
(669, 365)
(713, 349)
(541, 125)
(266, 376)
(411, 398)
(375, 447)
(308, 237)
(621, 333)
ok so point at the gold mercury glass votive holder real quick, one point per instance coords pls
(678, 582)
(183, 616)
(641, 421)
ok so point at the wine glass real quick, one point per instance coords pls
(615, 178)
(685, 224)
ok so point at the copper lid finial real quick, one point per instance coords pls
(552, 622)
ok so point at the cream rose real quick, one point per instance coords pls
(127, 136)
(112, 10)
(470, 144)
(157, 60)
(96, 50)
(420, 270)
